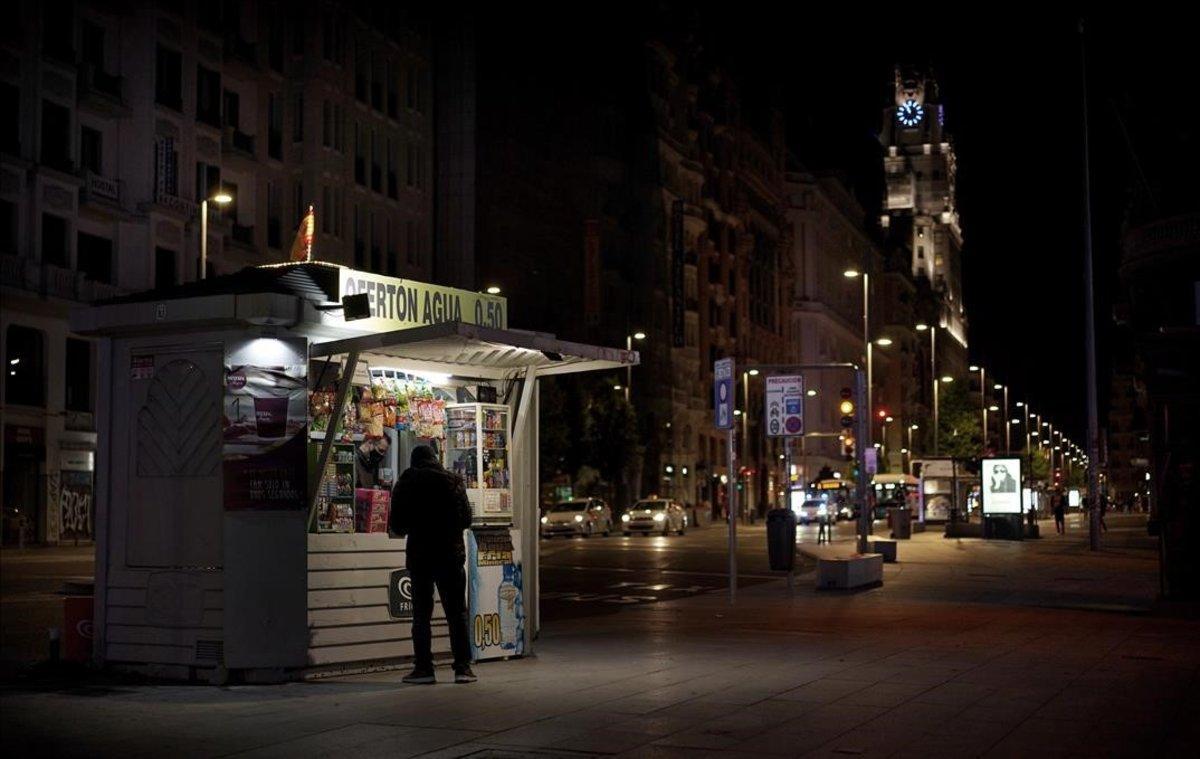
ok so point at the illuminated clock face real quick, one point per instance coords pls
(910, 114)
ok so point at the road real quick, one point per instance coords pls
(600, 575)
(30, 600)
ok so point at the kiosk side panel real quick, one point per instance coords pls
(162, 581)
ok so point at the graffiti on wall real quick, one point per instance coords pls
(75, 506)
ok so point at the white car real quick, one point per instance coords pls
(655, 515)
(585, 516)
(812, 510)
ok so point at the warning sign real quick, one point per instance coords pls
(784, 408)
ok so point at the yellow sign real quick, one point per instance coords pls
(401, 303)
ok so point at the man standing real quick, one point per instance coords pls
(430, 506)
(1059, 504)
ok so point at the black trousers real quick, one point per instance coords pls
(451, 582)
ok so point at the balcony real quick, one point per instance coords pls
(237, 142)
(172, 204)
(238, 49)
(242, 234)
(51, 281)
(99, 190)
(100, 91)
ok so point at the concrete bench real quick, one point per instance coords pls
(885, 548)
(855, 571)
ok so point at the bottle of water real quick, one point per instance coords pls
(506, 605)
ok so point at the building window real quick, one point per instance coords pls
(25, 362)
(410, 243)
(274, 126)
(410, 88)
(389, 241)
(208, 96)
(391, 170)
(921, 252)
(10, 125)
(168, 78)
(274, 217)
(233, 109)
(90, 150)
(298, 193)
(56, 136)
(376, 168)
(77, 382)
(376, 83)
(360, 161)
(410, 178)
(298, 118)
(393, 97)
(91, 38)
(56, 249)
(94, 257)
(58, 30)
(326, 124)
(8, 227)
(166, 167)
(360, 244)
(208, 183)
(326, 216)
(360, 78)
(165, 268)
(376, 249)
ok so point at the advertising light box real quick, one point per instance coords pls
(1001, 486)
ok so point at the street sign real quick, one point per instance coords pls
(871, 460)
(784, 407)
(723, 393)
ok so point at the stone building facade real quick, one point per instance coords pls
(123, 117)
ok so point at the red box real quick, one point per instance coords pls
(371, 510)
(77, 629)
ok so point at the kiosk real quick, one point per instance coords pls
(248, 437)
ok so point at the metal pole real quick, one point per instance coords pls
(732, 518)
(1089, 323)
(864, 423)
(203, 238)
(745, 431)
(1007, 424)
(339, 405)
(869, 408)
(933, 374)
(628, 368)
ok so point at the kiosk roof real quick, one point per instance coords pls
(460, 348)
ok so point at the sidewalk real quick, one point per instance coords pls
(968, 649)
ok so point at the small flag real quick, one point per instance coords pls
(302, 247)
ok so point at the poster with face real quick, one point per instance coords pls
(1001, 486)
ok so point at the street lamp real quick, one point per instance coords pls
(922, 327)
(639, 335)
(911, 427)
(853, 273)
(1007, 428)
(982, 398)
(493, 290)
(222, 199)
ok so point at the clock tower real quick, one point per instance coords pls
(920, 210)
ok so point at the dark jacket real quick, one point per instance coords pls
(430, 506)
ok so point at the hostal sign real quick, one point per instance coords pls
(400, 303)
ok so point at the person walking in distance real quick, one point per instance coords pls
(1103, 508)
(430, 506)
(1058, 503)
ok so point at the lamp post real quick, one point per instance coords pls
(866, 292)
(922, 327)
(1025, 407)
(911, 427)
(221, 199)
(1007, 426)
(982, 397)
(745, 457)
(639, 335)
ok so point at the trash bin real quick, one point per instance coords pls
(901, 519)
(77, 629)
(781, 539)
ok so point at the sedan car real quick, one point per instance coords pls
(655, 515)
(583, 516)
(811, 511)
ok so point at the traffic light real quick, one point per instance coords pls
(847, 408)
(848, 447)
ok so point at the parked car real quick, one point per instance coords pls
(655, 515)
(583, 516)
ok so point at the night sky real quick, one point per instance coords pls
(1012, 88)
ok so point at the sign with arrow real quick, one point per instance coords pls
(784, 407)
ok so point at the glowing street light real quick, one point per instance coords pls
(222, 199)
(493, 290)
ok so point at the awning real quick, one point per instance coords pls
(468, 349)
